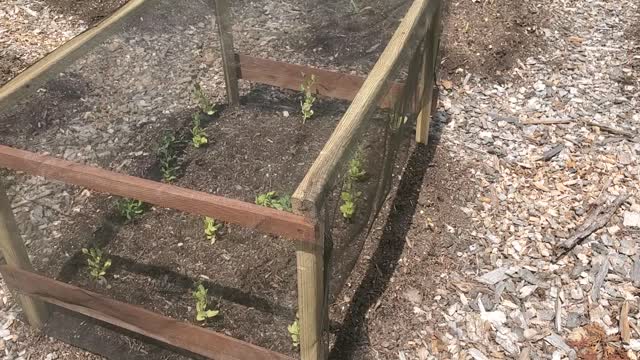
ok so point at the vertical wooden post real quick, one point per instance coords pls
(15, 254)
(311, 291)
(223, 21)
(429, 73)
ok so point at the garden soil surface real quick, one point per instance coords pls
(262, 146)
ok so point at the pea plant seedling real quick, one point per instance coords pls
(130, 208)
(211, 228)
(307, 102)
(294, 332)
(167, 154)
(203, 101)
(98, 266)
(350, 194)
(198, 136)
(273, 200)
(200, 296)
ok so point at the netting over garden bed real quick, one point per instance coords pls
(145, 96)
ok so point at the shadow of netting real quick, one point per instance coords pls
(364, 181)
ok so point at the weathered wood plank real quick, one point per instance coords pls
(233, 211)
(15, 254)
(225, 32)
(176, 333)
(311, 298)
(290, 76)
(402, 45)
(55, 61)
(429, 70)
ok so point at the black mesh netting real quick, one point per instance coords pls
(363, 182)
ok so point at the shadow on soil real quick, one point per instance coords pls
(180, 283)
(385, 259)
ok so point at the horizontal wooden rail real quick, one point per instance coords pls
(289, 76)
(176, 333)
(35, 75)
(311, 191)
(230, 210)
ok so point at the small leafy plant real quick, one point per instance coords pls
(307, 102)
(198, 136)
(350, 194)
(130, 208)
(168, 157)
(211, 228)
(356, 172)
(294, 332)
(273, 200)
(98, 266)
(200, 296)
(348, 207)
(203, 101)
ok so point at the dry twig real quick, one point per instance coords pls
(597, 219)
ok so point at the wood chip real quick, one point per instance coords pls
(625, 331)
(557, 341)
(611, 130)
(551, 153)
(477, 354)
(546, 122)
(494, 277)
(597, 219)
(635, 273)
(597, 283)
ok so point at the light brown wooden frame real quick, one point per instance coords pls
(305, 226)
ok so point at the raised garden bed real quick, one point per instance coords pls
(337, 173)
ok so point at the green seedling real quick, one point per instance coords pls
(198, 136)
(200, 296)
(356, 172)
(167, 154)
(203, 101)
(211, 228)
(98, 266)
(294, 332)
(349, 194)
(307, 102)
(275, 201)
(348, 207)
(130, 208)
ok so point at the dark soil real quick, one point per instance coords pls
(411, 246)
(159, 257)
(486, 38)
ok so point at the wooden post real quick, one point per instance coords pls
(311, 291)
(223, 21)
(429, 73)
(15, 254)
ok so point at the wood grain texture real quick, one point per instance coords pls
(176, 333)
(429, 72)
(56, 61)
(233, 211)
(311, 191)
(15, 254)
(225, 32)
(312, 308)
(289, 76)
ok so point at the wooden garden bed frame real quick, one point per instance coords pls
(305, 226)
